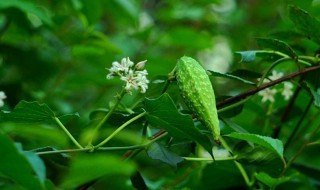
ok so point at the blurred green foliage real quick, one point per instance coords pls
(57, 52)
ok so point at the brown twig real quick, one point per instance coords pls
(264, 86)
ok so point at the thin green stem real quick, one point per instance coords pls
(239, 166)
(209, 159)
(119, 129)
(298, 125)
(309, 58)
(62, 151)
(67, 132)
(274, 64)
(233, 105)
(137, 151)
(134, 147)
(88, 149)
(106, 117)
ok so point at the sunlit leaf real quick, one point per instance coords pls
(267, 142)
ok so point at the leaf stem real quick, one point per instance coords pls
(67, 132)
(106, 117)
(119, 129)
(209, 159)
(88, 149)
(239, 166)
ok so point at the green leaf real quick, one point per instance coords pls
(267, 142)
(16, 166)
(306, 23)
(271, 181)
(247, 56)
(162, 112)
(37, 165)
(33, 113)
(29, 112)
(159, 152)
(86, 168)
(230, 76)
(276, 45)
(254, 154)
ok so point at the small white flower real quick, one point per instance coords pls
(276, 75)
(140, 65)
(287, 90)
(2, 97)
(267, 94)
(120, 68)
(131, 81)
(134, 79)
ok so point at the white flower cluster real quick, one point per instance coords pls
(2, 97)
(268, 94)
(131, 73)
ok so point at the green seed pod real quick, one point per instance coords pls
(197, 92)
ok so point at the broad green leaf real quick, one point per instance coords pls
(267, 142)
(230, 76)
(33, 113)
(163, 113)
(37, 165)
(159, 152)
(86, 168)
(29, 112)
(16, 166)
(276, 45)
(27, 8)
(254, 154)
(271, 181)
(306, 23)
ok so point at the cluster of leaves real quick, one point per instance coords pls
(162, 147)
